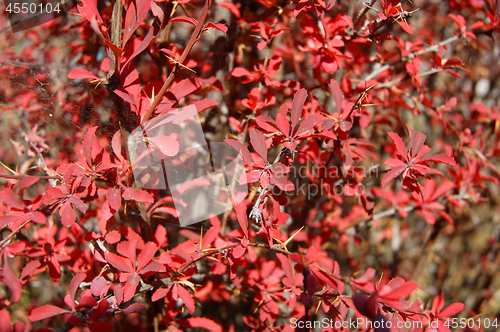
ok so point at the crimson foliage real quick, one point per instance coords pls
(369, 137)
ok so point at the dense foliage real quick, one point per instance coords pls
(369, 135)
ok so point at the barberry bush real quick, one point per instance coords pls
(368, 135)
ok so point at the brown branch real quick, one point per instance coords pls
(116, 39)
(364, 11)
(6, 240)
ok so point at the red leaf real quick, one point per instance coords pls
(239, 72)
(210, 236)
(268, 124)
(153, 32)
(88, 142)
(101, 309)
(298, 103)
(440, 158)
(186, 297)
(331, 3)
(238, 252)
(5, 323)
(184, 88)
(135, 307)
(120, 92)
(283, 125)
(97, 286)
(398, 141)
(4, 220)
(119, 263)
(38, 217)
(345, 125)
(114, 198)
(113, 237)
(200, 322)
(459, 20)
(261, 45)
(406, 27)
(130, 286)
(166, 144)
(153, 267)
(68, 215)
(325, 278)
(241, 214)
(241, 149)
(160, 293)
(258, 143)
(249, 177)
(11, 280)
(157, 11)
(400, 288)
(26, 182)
(118, 292)
(309, 123)
(86, 301)
(9, 198)
(366, 277)
(146, 255)
(77, 202)
(131, 194)
(136, 12)
(100, 326)
(204, 104)
(190, 185)
(131, 77)
(79, 73)
(416, 141)
(336, 93)
(231, 7)
(251, 254)
(183, 19)
(391, 162)
(30, 267)
(392, 174)
(160, 235)
(452, 309)
(116, 144)
(46, 311)
(281, 181)
(286, 265)
(217, 26)
(88, 10)
(75, 283)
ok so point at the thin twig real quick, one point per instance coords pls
(97, 244)
(433, 48)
